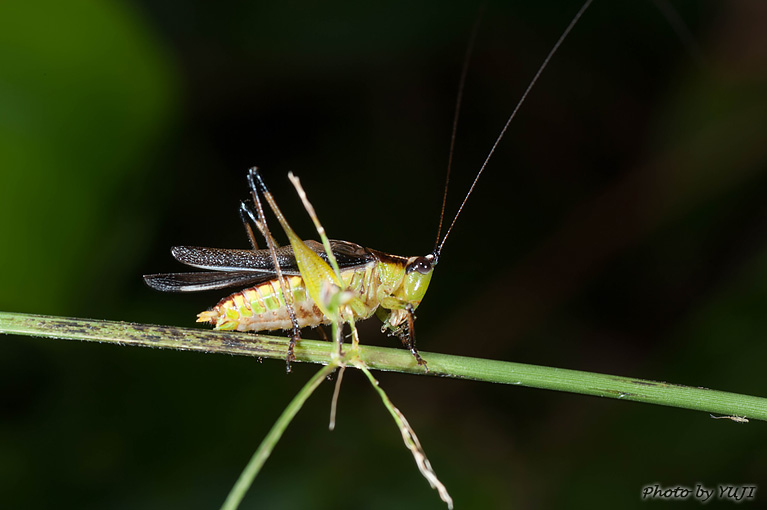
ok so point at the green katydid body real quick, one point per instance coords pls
(383, 283)
(365, 281)
(368, 281)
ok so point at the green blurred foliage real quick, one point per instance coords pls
(619, 229)
(86, 93)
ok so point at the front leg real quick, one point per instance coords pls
(257, 187)
(400, 321)
(411, 336)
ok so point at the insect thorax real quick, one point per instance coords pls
(384, 282)
(263, 307)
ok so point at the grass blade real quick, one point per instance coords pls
(250, 472)
(399, 360)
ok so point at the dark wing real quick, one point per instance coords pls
(347, 254)
(219, 259)
(245, 268)
(205, 280)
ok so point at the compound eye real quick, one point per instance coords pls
(421, 264)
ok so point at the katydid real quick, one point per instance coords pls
(287, 287)
(388, 285)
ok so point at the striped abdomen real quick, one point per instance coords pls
(262, 308)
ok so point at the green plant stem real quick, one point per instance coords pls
(270, 441)
(400, 360)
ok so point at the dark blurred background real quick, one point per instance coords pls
(620, 229)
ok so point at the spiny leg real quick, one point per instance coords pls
(328, 251)
(355, 335)
(411, 336)
(253, 177)
(322, 283)
(317, 225)
(247, 216)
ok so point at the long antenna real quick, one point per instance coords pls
(511, 117)
(458, 101)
